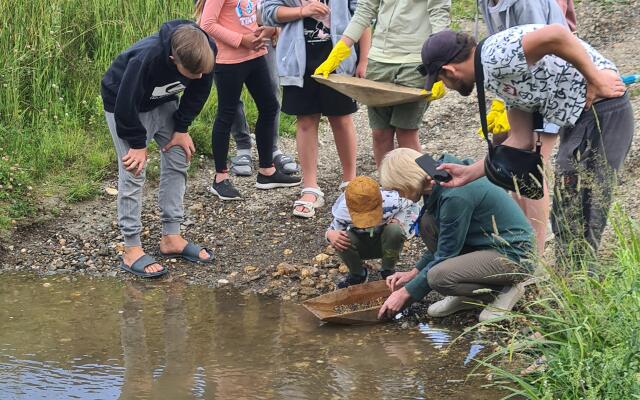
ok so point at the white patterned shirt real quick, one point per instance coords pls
(552, 86)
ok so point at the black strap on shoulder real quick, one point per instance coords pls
(482, 102)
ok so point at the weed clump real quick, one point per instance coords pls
(15, 190)
(586, 330)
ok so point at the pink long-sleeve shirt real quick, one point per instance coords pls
(226, 21)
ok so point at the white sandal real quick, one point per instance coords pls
(309, 205)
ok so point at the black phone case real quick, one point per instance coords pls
(429, 165)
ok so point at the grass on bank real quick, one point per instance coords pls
(588, 331)
(463, 9)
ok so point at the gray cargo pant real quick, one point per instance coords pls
(590, 156)
(173, 176)
(240, 127)
(471, 270)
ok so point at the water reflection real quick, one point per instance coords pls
(439, 337)
(174, 379)
(166, 341)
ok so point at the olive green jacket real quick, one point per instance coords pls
(401, 26)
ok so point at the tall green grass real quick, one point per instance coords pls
(588, 330)
(54, 53)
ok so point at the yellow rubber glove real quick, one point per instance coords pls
(339, 53)
(497, 121)
(437, 91)
(501, 121)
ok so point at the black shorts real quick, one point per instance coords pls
(315, 98)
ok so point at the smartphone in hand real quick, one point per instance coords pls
(429, 165)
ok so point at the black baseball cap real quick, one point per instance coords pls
(438, 50)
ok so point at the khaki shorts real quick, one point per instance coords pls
(403, 116)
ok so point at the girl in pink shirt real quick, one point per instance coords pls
(241, 49)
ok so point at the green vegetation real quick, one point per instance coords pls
(588, 330)
(462, 10)
(51, 118)
(14, 190)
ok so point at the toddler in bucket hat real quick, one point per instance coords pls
(369, 223)
(364, 202)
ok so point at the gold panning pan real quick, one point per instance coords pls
(372, 93)
(324, 307)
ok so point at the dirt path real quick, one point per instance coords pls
(258, 244)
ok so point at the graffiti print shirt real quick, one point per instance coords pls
(552, 86)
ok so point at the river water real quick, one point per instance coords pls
(77, 338)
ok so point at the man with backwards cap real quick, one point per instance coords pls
(545, 69)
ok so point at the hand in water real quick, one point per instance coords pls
(394, 304)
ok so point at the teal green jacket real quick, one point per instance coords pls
(477, 216)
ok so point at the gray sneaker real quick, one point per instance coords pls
(285, 164)
(225, 190)
(241, 165)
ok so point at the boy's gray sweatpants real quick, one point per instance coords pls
(173, 176)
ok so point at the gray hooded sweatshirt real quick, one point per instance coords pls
(508, 13)
(291, 54)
